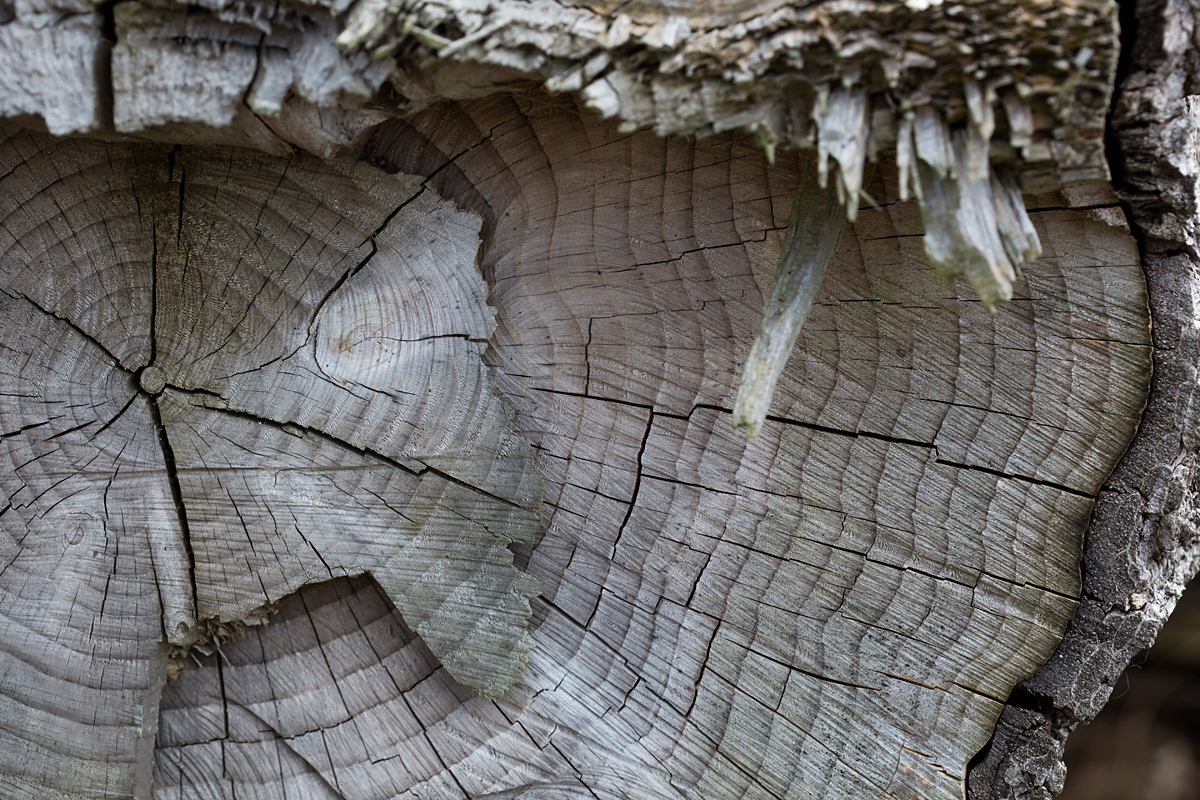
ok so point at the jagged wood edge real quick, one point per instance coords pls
(1143, 543)
(770, 68)
(1116, 600)
(766, 66)
(850, 79)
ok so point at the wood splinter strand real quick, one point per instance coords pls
(813, 235)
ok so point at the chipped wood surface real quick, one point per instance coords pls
(980, 99)
(837, 609)
(842, 604)
(220, 389)
(773, 69)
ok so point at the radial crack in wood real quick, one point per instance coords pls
(837, 609)
(227, 375)
(813, 235)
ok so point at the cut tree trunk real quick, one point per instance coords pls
(368, 407)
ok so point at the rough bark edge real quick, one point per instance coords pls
(1143, 543)
(979, 99)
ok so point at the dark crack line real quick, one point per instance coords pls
(287, 742)
(316, 552)
(292, 428)
(154, 291)
(812, 426)
(182, 180)
(975, 691)
(108, 424)
(32, 426)
(96, 342)
(177, 496)
(810, 673)
(347, 275)
(637, 488)
(880, 437)
(1014, 477)
(337, 685)
(350, 273)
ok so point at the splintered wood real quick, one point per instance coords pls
(814, 233)
(227, 375)
(980, 100)
(835, 610)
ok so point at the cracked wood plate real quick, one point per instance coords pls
(228, 376)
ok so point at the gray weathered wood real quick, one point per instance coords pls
(840, 607)
(235, 374)
(222, 387)
(918, 76)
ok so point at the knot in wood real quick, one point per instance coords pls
(152, 379)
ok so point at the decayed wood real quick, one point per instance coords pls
(837, 609)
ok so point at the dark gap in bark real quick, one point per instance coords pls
(1127, 17)
(103, 65)
(1020, 697)
(182, 178)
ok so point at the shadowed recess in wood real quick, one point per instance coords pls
(227, 375)
(837, 609)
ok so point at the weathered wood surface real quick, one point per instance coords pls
(780, 71)
(220, 386)
(838, 608)
(977, 98)
(813, 236)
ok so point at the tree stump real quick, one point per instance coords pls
(407, 455)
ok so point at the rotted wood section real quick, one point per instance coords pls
(837, 609)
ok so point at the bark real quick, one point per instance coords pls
(428, 429)
(1143, 545)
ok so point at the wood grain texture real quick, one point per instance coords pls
(1143, 546)
(225, 376)
(839, 608)
(979, 100)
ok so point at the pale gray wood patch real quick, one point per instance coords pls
(51, 61)
(224, 376)
(256, 76)
(838, 609)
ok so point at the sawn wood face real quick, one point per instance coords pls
(226, 376)
(835, 610)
